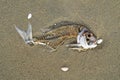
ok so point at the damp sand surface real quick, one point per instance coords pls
(19, 61)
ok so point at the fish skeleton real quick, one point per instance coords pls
(56, 34)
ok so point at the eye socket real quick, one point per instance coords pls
(87, 39)
(89, 35)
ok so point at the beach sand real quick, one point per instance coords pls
(19, 61)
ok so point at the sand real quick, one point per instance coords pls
(19, 61)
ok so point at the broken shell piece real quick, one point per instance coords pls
(29, 15)
(64, 69)
(99, 41)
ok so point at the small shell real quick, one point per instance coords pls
(99, 41)
(64, 69)
(29, 15)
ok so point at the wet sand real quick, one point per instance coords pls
(19, 61)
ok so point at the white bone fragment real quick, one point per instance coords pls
(29, 16)
(99, 41)
(64, 69)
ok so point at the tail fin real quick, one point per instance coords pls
(26, 35)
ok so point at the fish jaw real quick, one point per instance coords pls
(82, 45)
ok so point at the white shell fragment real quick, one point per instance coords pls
(99, 41)
(64, 69)
(29, 15)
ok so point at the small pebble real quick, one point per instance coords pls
(29, 15)
(64, 69)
